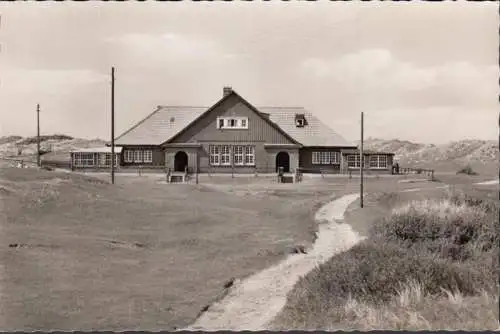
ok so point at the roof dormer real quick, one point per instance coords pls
(300, 120)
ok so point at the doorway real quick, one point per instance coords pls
(180, 161)
(283, 160)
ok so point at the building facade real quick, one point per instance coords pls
(233, 136)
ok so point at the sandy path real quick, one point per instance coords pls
(253, 303)
(492, 182)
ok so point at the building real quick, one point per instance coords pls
(233, 136)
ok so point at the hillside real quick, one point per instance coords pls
(57, 145)
(481, 154)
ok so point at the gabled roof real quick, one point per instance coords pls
(167, 122)
(248, 104)
(315, 133)
(160, 126)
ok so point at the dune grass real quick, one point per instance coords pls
(428, 264)
(79, 253)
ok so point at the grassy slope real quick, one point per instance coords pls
(316, 304)
(137, 255)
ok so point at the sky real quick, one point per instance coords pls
(419, 71)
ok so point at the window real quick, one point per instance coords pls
(378, 161)
(148, 156)
(232, 123)
(81, 159)
(129, 156)
(300, 120)
(249, 155)
(353, 161)
(220, 155)
(325, 158)
(214, 155)
(238, 155)
(104, 160)
(137, 156)
(225, 156)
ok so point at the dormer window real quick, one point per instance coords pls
(232, 123)
(300, 120)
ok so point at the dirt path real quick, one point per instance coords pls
(486, 183)
(254, 302)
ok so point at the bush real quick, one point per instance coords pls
(444, 246)
(467, 170)
(370, 272)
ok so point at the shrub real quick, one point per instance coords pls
(370, 272)
(453, 228)
(466, 170)
(447, 247)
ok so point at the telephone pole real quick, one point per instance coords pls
(38, 135)
(113, 125)
(361, 164)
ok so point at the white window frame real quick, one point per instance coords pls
(87, 159)
(326, 158)
(214, 155)
(148, 156)
(103, 159)
(77, 159)
(357, 162)
(239, 155)
(249, 155)
(378, 161)
(237, 121)
(225, 155)
(138, 154)
(129, 156)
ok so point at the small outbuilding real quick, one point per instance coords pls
(94, 157)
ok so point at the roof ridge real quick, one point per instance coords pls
(279, 107)
(180, 106)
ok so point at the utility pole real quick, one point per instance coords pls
(38, 135)
(361, 164)
(113, 125)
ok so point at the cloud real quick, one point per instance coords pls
(151, 50)
(380, 79)
(47, 81)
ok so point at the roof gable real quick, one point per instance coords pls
(245, 102)
(168, 122)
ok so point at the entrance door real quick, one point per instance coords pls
(283, 160)
(180, 161)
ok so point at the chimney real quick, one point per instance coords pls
(227, 91)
